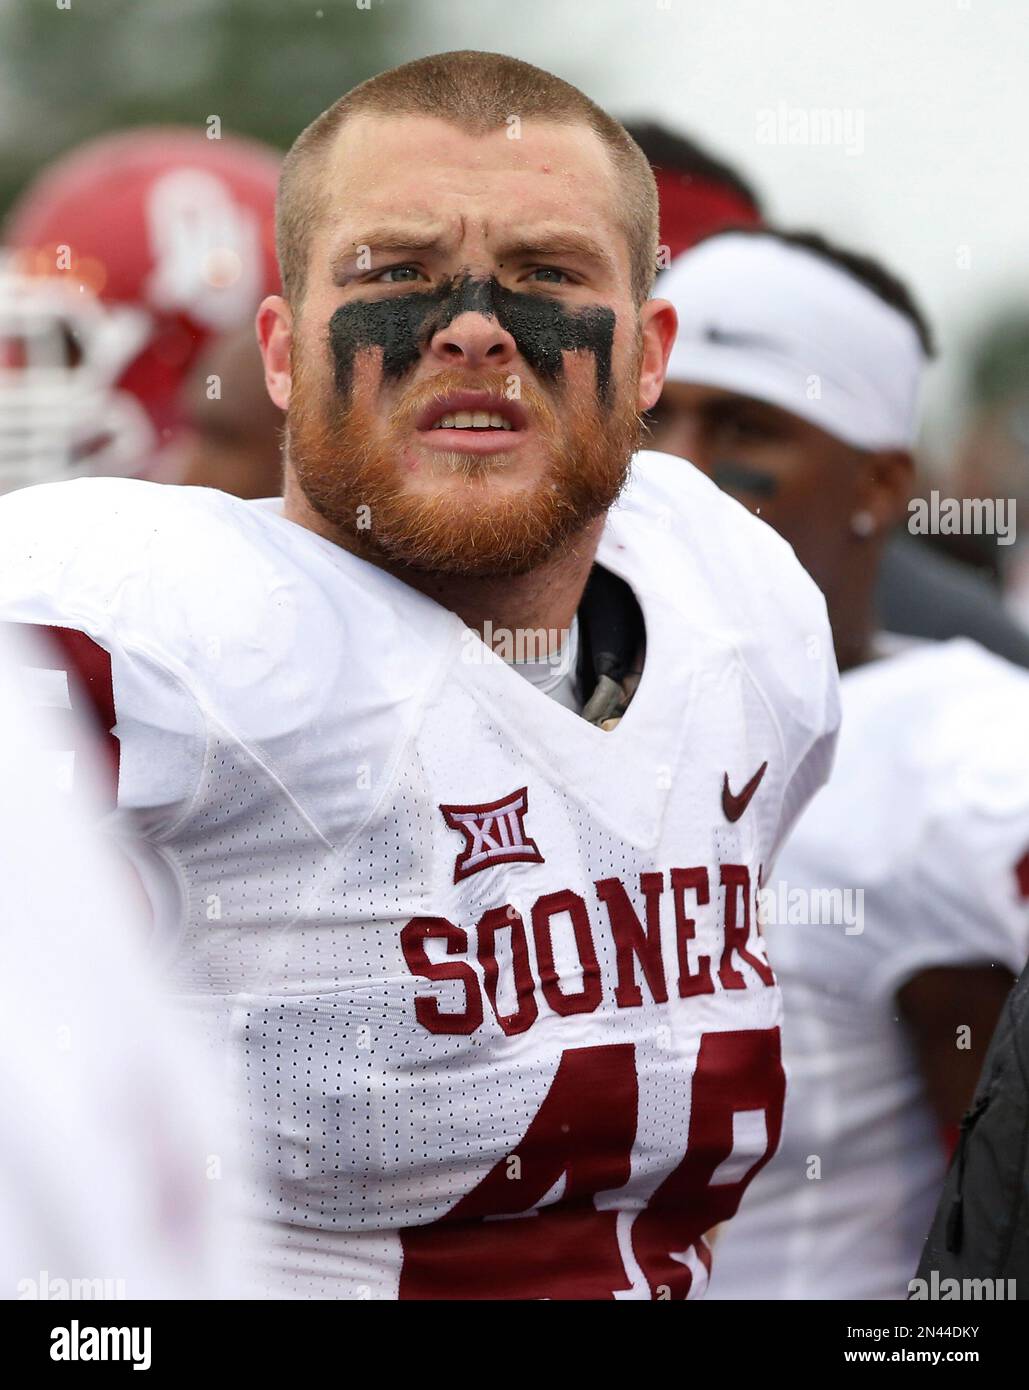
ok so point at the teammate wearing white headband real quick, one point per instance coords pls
(899, 908)
(793, 371)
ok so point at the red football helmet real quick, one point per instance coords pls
(121, 261)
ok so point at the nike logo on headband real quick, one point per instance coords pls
(727, 337)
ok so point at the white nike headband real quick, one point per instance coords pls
(783, 325)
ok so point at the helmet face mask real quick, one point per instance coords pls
(119, 265)
(62, 414)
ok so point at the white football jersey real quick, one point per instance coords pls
(474, 958)
(913, 857)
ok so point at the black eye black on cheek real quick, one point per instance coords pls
(542, 328)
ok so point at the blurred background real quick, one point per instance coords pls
(926, 101)
(891, 128)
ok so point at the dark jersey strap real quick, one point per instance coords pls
(611, 641)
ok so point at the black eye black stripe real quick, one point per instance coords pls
(542, 328)
(738, 477)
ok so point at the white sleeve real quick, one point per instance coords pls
(964, 896)
(89, 660)
(963, 903)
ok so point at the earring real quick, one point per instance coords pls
(862, 525)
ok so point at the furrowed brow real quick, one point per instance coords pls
(556, 243)
(388, 239)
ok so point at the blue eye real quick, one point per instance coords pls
(552, 270)
(397, 270)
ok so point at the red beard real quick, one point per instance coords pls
(347, 463)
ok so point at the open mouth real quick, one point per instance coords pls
(473, 420)
(474, 412)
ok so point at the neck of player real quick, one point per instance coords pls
(547, 597)
(852, 617)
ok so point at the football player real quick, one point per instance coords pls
(121, 265)
(919, 591)
(453, 780)
(900, 907)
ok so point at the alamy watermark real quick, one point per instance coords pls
(548, 646)
(45, 1287)
(965, 516)
(973, 1290)
(781, 905)
(843, 126)
(81, 1342)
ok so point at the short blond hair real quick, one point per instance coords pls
(477, 92)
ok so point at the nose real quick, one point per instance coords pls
(473, 340)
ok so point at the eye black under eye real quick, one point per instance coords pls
(739, 477)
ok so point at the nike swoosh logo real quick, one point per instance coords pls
(728, 337)
(734, 806)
